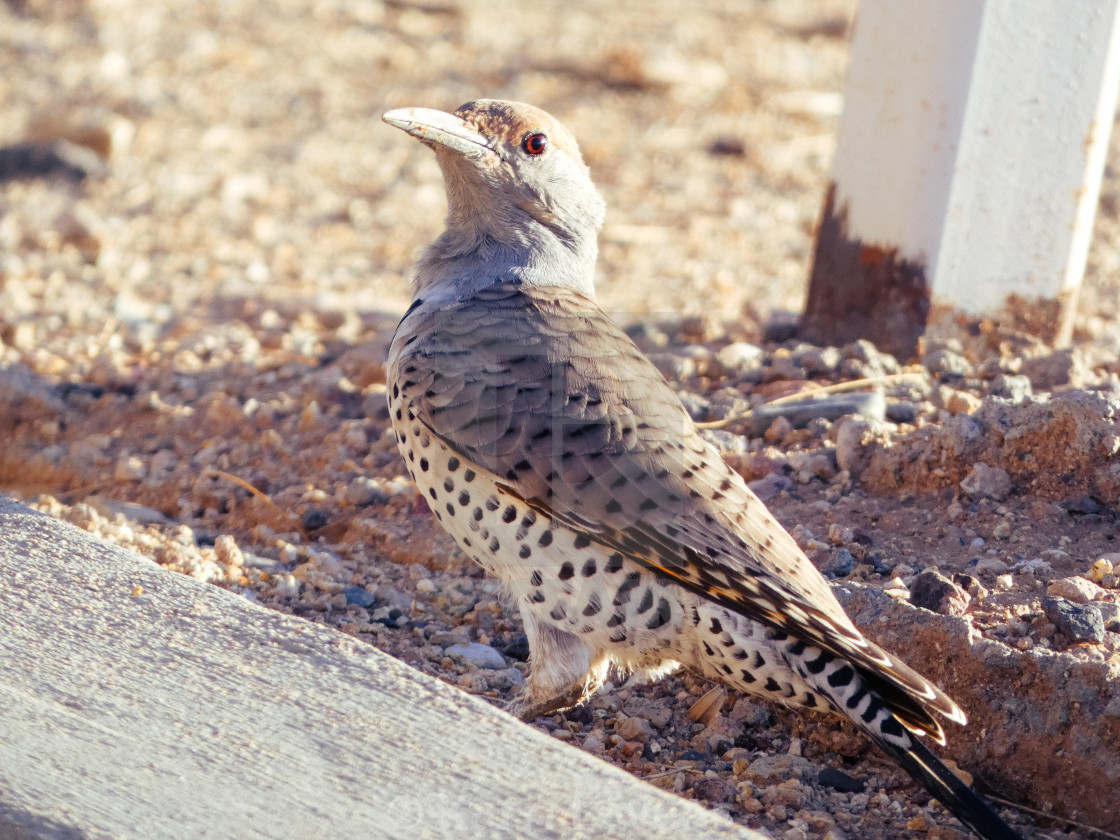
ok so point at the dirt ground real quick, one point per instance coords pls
(193, 335)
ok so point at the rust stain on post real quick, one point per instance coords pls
(860, 290)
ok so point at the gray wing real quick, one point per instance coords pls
(541, 388)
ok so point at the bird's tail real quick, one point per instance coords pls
(948, 788)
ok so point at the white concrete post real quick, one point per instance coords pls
(968, 167)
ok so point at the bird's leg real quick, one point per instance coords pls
(562, 673)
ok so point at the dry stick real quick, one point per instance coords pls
(1053, 818)
(260, 494)
(820, 389)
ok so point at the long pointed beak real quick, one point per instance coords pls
(433, 128)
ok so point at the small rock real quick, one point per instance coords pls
(957, 402)
(634, 729)
(479, 655)
(1014, 388)
(313, 519)
(778, 430)
(839, 564)
(359, 596)
(691, 755)
(838, 780)
(1086, 505)
(228, 552)
(855, 444)
(989, 566)
(1110, 615)
(365, 491)
(935, 592)
(672, 366)
(946, 364)
(505, 679)
(129, 468)
(771, 485)
(1036, 566)
(901, 412)
(1075, 589)
(778, 768)
(819, 359)
(750, 713)
(739, 356)
(697, 407)
(987, 482)
(594, 743)
(1102, 567)
(714, 790)
(1078, 623)
(970, 585)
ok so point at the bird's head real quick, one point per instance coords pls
(521, 203)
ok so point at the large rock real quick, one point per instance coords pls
(1043, 727)
(136, 702)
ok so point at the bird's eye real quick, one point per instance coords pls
(535, 144)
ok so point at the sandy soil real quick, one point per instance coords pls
(192, 341)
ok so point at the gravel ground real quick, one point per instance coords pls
(193, 335)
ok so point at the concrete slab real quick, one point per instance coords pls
(135, 702)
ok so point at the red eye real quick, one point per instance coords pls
(535, 144)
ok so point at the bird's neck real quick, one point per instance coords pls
(465, 260)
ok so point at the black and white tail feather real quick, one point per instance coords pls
(896, 724)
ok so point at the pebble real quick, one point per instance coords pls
(505, 679)
(594, 742)
(359, 596)
(1036, 567)
(935, 592)
(634, 729)
(739, 356)
(947, 364)
(839, 780)
(778, 429)
(1075, 589)
(819, 359)
(986, 482)
(479, 655)
(313, 519)
(1102, 567)
(839, 564)
(1077, 622)
(750, 713)
(970, 585)
(698, 408)
(778, 768)
(957, 402)
(989, 566)
(714, 790)
(1004, 583)
(1014, 388)
(129, 468)
(770, 486)
(365, 491)
(1110, 615)
(902, 412)
(287, 586)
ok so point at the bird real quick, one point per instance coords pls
(563, 463)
